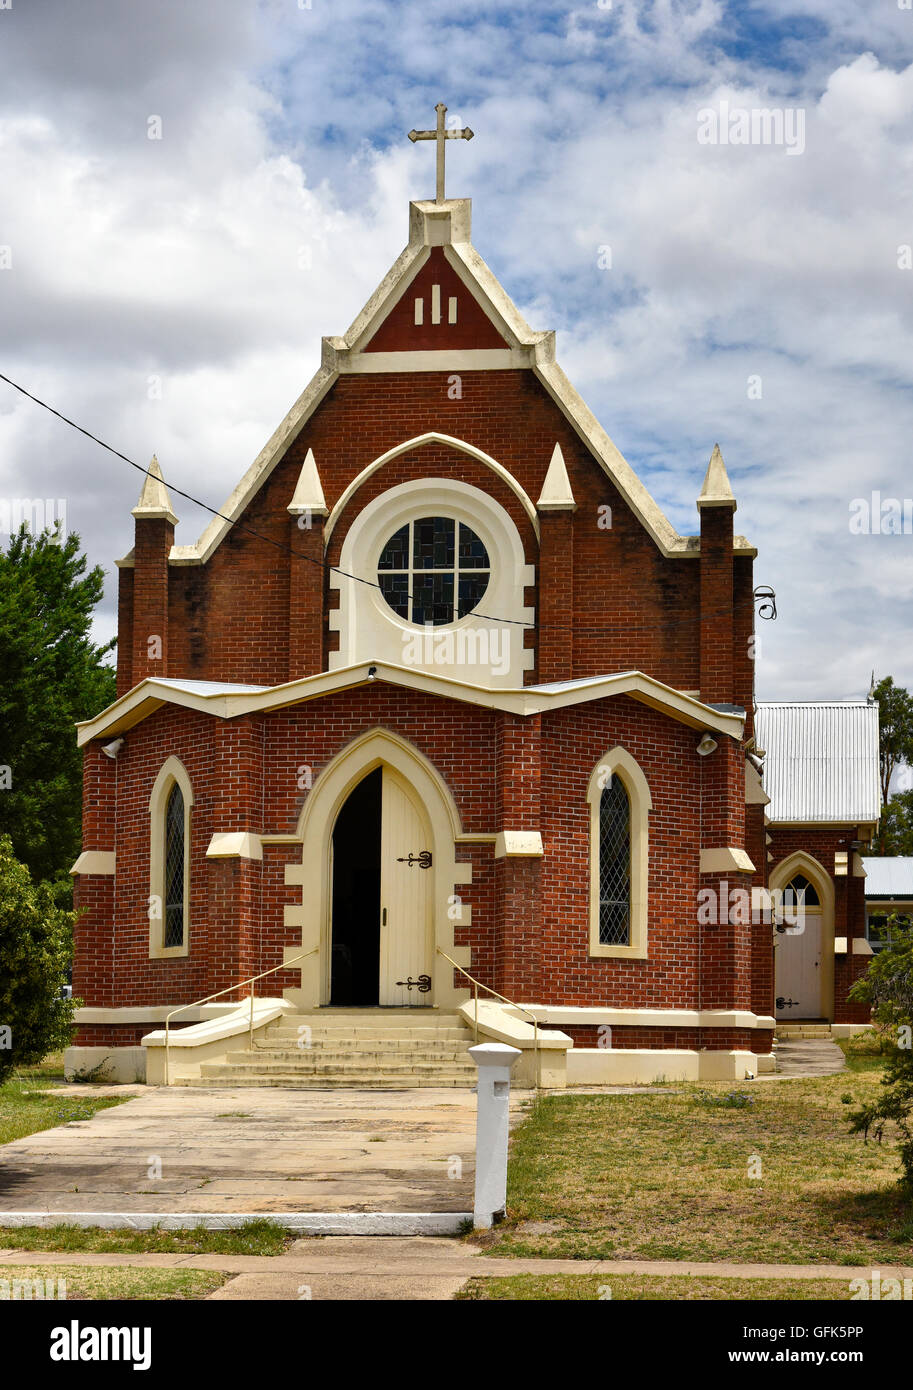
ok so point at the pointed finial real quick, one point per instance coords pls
(716, 491)
(154, 501)
(308, 490)
(556, 494)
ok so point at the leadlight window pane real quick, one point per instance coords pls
(472, 589)
(614, 865)
(433, 548)
(432, 597)
(433, 570)
(801, 891)
(395, 554)
(174, 868)
(473, 555)
(395, 589)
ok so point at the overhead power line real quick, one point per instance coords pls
(763, 597)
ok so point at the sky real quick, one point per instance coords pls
(170, 293)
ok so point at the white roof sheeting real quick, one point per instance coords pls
(888, 876)
(822, 761)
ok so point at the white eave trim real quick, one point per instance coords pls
(150, 695)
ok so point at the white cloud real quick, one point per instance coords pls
(180, 259)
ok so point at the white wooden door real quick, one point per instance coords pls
(798, 970)
(405, 897)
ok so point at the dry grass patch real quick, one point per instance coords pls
(626, 1288)
(116, 1282)
(260, 1237)
(31, 1101)
(669, 1176)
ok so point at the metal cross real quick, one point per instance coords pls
(440, 135)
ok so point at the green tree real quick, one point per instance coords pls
(895, 740)
(51, 675)
(888, 986)
(36, 939)
(895, 830)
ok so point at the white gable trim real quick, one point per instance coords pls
(432, 437)
(446, 225)
(151, 694)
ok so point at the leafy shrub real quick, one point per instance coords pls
(35, 946)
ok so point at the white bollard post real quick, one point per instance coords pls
(494, 1061)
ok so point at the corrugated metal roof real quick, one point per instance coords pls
(822, 760)
(888, 876)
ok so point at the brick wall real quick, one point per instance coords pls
(628, 605)
(530, 916)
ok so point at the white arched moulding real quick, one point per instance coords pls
(619, 763)
(487, 652)
(801, 862)
(172, 773)
(376, 748)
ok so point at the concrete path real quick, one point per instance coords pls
(253, 1150)
(809, 1057)
(387, 1268)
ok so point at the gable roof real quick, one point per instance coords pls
(227, 701)
(821, 763)
(888, 876)
(442, 231)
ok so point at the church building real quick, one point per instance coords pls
(439, 708)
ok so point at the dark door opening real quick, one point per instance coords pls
(355, 971)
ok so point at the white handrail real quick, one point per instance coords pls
(504, 1000)
(240, 985)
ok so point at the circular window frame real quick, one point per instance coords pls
(444, 514)
(368, 627)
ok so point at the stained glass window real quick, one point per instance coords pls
(433, 570)
(175, 850)
(614, 865)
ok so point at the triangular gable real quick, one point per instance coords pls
(445, 229)
(436, 312)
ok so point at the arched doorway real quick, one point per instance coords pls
(804, 959)
(381, 896)
(417, 814)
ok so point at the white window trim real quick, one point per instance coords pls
(172, 773)
(618, 762)
(368, 627)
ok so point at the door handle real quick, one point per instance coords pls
(383, 919)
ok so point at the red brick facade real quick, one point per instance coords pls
(606, 599)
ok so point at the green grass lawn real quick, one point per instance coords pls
(253, 1238)
(668, 1176)
(26, 1105)
(625, 1288)
(114, 1282)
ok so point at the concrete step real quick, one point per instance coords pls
(397, 1047)
(365, 1081)
(374, 1049)
(311, 1066)
(375, 1019)
(281, 1030)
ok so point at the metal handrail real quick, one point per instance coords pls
(240, 985)
(504, 999)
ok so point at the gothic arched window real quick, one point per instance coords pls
(175, 894)
(619, 801)
(614, 865)
(170, 807)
